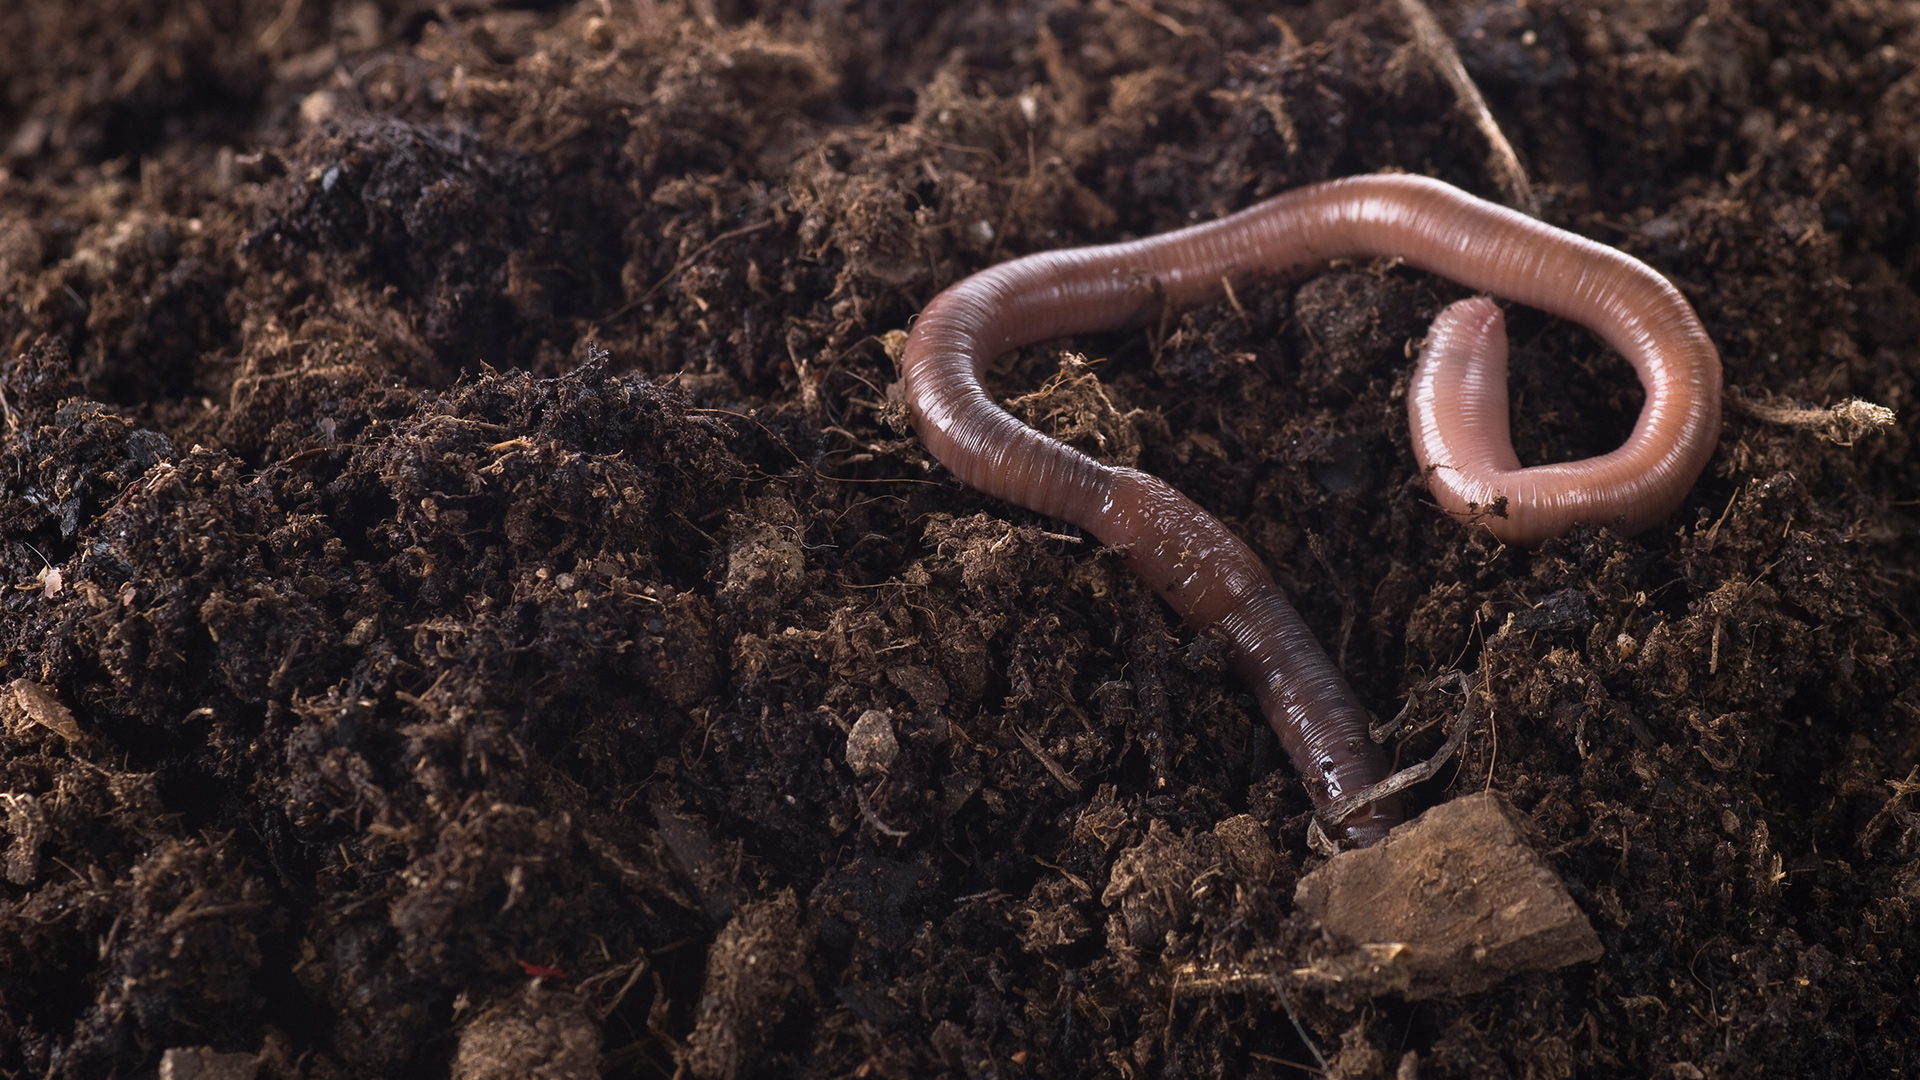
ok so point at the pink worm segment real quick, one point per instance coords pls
(1457, 405)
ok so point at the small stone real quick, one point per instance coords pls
(871, 746)
(317, 108)
(1448, 904)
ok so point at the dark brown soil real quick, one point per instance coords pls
(457, 535)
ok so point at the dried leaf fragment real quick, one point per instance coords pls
(27, 702)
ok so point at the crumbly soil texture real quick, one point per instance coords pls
(474, 605)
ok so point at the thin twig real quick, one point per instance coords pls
(681, 266)
(1383, 730)
(873, 819)
(1167, 22)
(1033, 746)
(1340, 809)
(1502, 160)
(1286, 1003)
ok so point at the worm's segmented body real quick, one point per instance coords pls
(1457, 406)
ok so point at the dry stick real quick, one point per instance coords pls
(269, 38)
(1286, 1003)
(1053, 767)
(1439, 49)
(1843, 424)
(681, 266)
(1338, 810)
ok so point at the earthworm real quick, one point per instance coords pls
(1457, 405)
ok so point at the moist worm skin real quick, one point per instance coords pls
(1457, 405)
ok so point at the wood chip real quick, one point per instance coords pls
(1446, 905)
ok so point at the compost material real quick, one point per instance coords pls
(1451, 904)
(475, 605)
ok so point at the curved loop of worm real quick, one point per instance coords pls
(1457, 401)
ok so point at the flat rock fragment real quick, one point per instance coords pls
(872, 746)
(1448, 904)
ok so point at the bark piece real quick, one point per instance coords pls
(1448, 904)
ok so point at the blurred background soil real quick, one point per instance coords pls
(474, 608)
